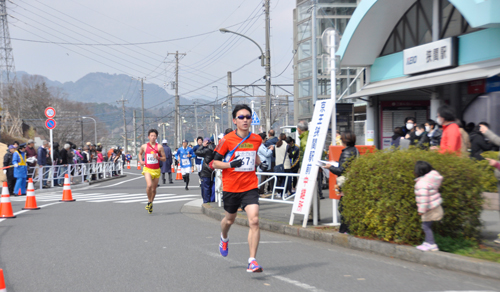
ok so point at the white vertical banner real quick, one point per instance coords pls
(318, 129)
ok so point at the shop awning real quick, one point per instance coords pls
(459, 74)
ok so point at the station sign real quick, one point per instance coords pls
(432, 56)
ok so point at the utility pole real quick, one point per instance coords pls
(143, 125)
(268, 66)
(287, 109)
(135, 133)
(124, 121)
(314, 56)
(196, 118)
(81, 126)
(229, 99)
(177, 116)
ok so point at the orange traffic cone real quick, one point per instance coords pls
(173, 168)
(67, 195)
(138, 166)
(30, 197)
(128, 164)
(2, 282)
(179, 173)
(5, 205)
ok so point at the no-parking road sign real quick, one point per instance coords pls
(50, 124)
(50, 112)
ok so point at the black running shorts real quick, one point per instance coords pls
(232, 201)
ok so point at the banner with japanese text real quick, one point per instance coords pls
(318, 128)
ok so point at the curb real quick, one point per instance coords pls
(438, 259)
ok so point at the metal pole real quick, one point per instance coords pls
(268, 68)
(143, 125)
(81, 124)
(253, 127)
(314, 54)
(124, 122)
(287, 109)
(229, 99)
(196, 118)
(177, 121)
(135, 133)
(333, 90)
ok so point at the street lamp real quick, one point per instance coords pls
(95, 127)
(268, 73)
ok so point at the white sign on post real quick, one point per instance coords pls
(436, 55)
(318, 128)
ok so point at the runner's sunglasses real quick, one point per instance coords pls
(249, 117)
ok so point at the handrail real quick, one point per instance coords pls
(352, 82)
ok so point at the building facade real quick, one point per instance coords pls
(420, 54)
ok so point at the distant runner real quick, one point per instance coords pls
(236, 154)
(184, 155)
(153, 154)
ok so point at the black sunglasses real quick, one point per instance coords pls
(249, 117)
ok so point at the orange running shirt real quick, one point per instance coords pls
(241, 179)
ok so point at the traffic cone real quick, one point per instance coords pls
(19, 194)
(138, 166)
(128, 164)
(30, 197)
(173, 168)
(2, 282)
(67, 195)
(179, 173)
(5, 205)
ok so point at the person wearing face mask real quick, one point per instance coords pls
(451, 140)
(421, 138)
(409, 127)
(433, 132)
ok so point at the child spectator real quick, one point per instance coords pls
(428, 200)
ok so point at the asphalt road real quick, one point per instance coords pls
(106, 241)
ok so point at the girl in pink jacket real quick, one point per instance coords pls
(428, 200)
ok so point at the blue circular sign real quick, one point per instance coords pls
(50, 124)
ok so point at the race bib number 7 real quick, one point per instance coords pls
(248, 158)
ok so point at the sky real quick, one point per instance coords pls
(65, 40)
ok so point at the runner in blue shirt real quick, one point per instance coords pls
(184, 155)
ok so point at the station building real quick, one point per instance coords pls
(420, 54)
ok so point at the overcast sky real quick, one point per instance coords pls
(208, 58)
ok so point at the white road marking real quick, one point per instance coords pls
(122, 182)
(132, 173)
(261, 242)
(281, 278)
(140, 200)
(129, 197)
(168, 201)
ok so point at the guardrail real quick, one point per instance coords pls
(52, 175)
(270, 176)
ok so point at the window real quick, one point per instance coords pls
(305, 88)
(303, 31)
(305, 69)
(415, 27)
(304, 50)
(302, 11)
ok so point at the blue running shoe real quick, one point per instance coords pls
(254, 267)
(223, 250)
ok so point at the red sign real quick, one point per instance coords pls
(476, 86)
(50, 124)
(50, 112)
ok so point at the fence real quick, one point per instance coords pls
(271, 177)
(52, 175)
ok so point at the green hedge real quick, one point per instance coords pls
(489, 181)
(379, 199)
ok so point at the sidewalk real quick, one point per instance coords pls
(275, 217)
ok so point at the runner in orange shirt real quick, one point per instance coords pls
(237, 156)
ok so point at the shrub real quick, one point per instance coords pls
(379, 199)
(488, 179)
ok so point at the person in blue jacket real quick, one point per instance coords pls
(20, 169)
(184, 155)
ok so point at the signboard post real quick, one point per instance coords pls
(255, 118)
(306, 187)
(50, 123)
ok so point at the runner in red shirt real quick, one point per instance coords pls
(153, 153)
(237, 156)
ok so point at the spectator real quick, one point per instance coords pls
(43, 161)
(465, 146)
(265, 155)
(421, 139)
(206, 152)
(409, 127)
(56, 162)
(167, 165)
(198, 160)
(478, 142)
(116, 158)
(16, 144)
(294, 160)
(100, 158)
(110, 151)
(31, 157)
(272, 140)
(348, 153)
(78, 155)
(9, 172)
(86, 159)
(20, 170)
(470, 127)
(428, 201)
(71, 160)
(64, 162)
(451, 141)
(282, 160)
(434, 132)
(398, 135)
